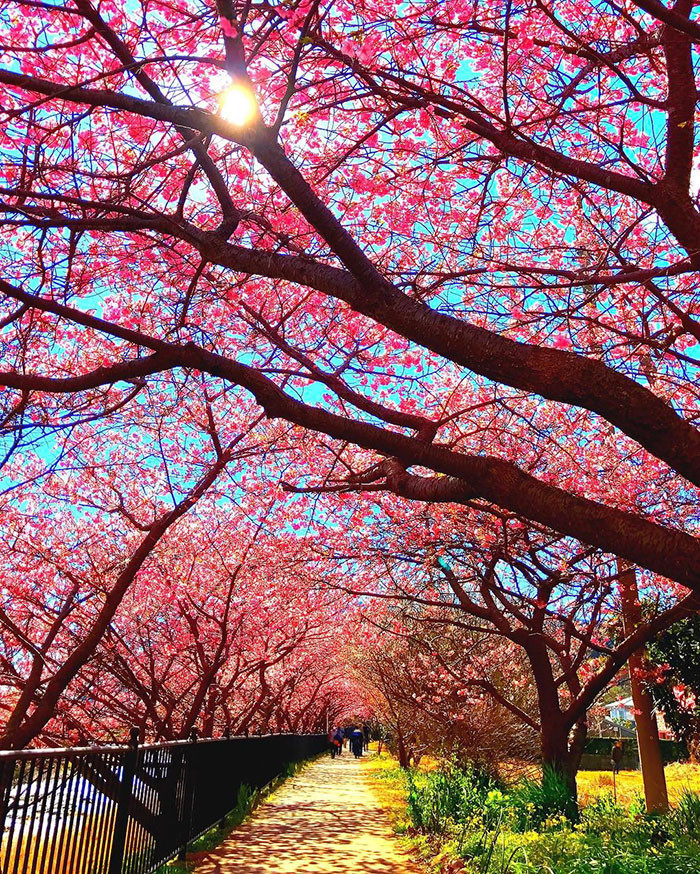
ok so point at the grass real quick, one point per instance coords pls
(597, 784)
(388, 782)
(506, 832)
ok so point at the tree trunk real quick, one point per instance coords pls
(655, 792)
(557, 759)
(401, 750)
(577, 744)
(554, 728)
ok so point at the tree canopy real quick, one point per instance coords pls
(309, 253)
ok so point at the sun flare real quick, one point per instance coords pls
(238, 104)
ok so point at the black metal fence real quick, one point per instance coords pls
(127, 810)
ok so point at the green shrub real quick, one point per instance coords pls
(451, 795)
(605, 816)
(531, 828)
(535, 802)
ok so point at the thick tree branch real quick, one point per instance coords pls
(675, 19)
(555, 374)
(671, 553)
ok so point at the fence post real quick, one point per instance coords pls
(227, 736)
(121, 822)
(7, 770)
(189, 797)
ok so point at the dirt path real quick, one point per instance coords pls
(325, 820)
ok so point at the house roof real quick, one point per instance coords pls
(621, 702)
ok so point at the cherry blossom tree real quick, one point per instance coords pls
(82, 523)
(427, 252)
(208, 632)
(423, 681)
(493, 606)
(453, 245)
(230, 647)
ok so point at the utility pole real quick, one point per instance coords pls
(655, 792)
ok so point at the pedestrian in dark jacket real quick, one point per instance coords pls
(356, 742)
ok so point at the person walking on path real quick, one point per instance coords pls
(616, 760)
(338, 735)
(357, 740)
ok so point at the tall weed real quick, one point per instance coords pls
(687, 813)
(535, 802)
(450, 795)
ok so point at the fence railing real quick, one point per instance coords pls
(128, 810)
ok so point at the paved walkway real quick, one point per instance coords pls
(325, 820)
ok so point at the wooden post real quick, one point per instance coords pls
(655, 792)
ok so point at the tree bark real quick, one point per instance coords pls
(554, 727)
(655, 792)
(401, 750)
(557, 758)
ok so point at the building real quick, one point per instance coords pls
(620, 715)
